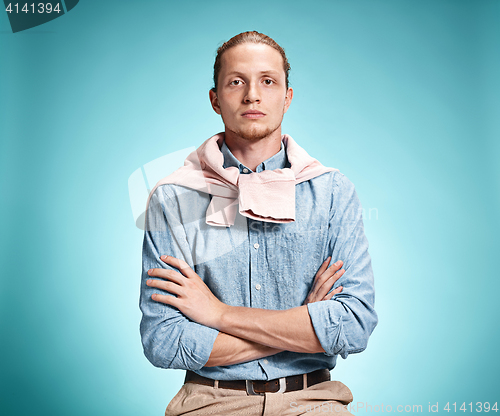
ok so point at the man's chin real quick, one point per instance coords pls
(256, 134)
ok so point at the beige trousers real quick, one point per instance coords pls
(327, 398)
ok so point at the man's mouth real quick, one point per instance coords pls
(253, 114)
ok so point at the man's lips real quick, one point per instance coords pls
(253, 114)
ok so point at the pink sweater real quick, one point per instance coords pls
(265, 196)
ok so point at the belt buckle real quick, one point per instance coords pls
(251, 391)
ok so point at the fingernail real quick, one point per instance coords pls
(149, 281)
(163, 257)
(337, 263)
(150, 271)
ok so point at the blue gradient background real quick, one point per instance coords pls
(402, 96)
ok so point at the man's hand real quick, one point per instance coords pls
(324, 280)
(192, 296)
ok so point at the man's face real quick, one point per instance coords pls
(251, 94)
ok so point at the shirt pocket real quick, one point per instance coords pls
(298, 256)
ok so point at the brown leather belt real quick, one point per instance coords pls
(253, 387)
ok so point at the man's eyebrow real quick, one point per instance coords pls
(268, 71)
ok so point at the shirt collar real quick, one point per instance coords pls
(278, 161)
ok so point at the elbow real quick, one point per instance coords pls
(357, 340)
(173, 347)
(159, 341)
(156, 352)
(352, 336)
(156, 359)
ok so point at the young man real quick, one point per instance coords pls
(237, 286)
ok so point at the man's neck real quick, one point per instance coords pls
(252, 153)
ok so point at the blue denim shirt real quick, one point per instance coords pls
(261, 265)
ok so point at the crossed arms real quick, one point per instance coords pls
(194, 329)
(245, 334)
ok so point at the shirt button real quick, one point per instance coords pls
(245, 170)
(266, 362)
(256, 245)
(257, 286)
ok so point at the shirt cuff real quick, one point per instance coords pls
(327, 323)
(195, 346)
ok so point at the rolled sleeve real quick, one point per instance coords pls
(169, 339)
(344, 323)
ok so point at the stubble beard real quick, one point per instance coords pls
(255, 134)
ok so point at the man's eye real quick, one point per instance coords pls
(268, 81)
(235, 82)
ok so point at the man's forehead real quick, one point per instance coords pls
(247, 53)
(245, 71)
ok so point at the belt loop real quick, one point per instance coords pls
(216, 384)
(304, 383)
(282, 382)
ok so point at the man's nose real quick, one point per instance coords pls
(252, 94)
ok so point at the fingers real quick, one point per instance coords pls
(166, 286)
(333, 293)
(323, 267)
(180, 265)
(328, 283)
(320, 272)
(327, 297)
(325, 279)
(171, 275)
(334, 268)
(173, 284)
(166, 299)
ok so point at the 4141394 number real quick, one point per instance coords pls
(33, 8)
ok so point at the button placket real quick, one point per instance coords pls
(253, 235)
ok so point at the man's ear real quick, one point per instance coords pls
(214, 101)
(288, 99)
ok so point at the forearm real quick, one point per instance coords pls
(229, 350)
(289, 330)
